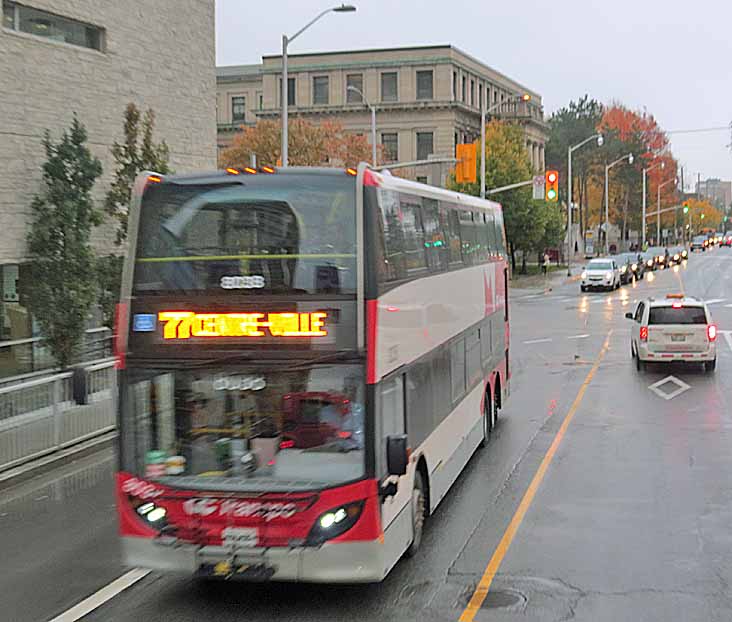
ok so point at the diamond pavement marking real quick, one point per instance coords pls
(681, 387)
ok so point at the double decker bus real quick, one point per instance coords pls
(307, 360)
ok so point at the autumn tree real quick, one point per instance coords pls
(629, 131)
(324, 144)
(137, 152)
(507, 162)
(713, 216)
(61, 290)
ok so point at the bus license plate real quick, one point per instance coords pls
(678, 337)
(240, 536)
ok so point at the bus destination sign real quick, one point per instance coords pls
(179, 325)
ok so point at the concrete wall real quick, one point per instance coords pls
(158, 54)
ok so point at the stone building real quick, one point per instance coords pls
(428, 99)
(92, 57)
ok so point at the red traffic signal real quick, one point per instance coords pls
(551, 186)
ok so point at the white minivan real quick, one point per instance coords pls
(675, 329)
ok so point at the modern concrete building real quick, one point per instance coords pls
(428, 99)
(717, 192)
(92, 57)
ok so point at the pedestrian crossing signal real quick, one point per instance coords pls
(466, 167)
(551, 186)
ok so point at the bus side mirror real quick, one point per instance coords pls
(397, 454)
(629, 316)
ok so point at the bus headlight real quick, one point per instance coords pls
(335, 522)
(154, 515)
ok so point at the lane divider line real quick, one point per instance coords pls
(107, 593)
(537, 341)
(727, 337)
(481, 590)
(579, 336)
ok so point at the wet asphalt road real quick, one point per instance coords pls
(631, 522)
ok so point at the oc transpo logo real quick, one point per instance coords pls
(239, 509)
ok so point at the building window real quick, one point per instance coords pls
(320, 90)
(480, 97)
(472, 92)
(390, 141)
(463, 91)
(424, 145)
(389, 91)
(238, 109)
(457, 142)
(291, 84)
(51, 26)
(260, 101)
(454, 85)
(424, 85)
(422, 179)
(354, 80)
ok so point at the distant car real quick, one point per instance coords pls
(727, 240)
(630, 266)
(601, 273)
(677, 254)
(649, 262)
(659, 256)
(719, 237)
(699, 243)
(675, 329)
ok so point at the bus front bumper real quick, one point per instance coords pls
(344, 562)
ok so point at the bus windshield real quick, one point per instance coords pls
(234, 428)
(268, 234)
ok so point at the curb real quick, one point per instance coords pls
(24, 472)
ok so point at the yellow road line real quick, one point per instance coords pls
(481, 591)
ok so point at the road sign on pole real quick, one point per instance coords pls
(466, 168)
(539, 187)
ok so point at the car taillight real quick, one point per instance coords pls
(711, 332)
(644, 333)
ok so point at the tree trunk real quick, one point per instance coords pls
(513, 257)
(523, 262)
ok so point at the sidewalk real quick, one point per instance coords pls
(540, 284)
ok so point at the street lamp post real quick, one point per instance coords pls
(658, 207)
(628, 157)
(373, 120)
(570, 151)
(524, 97)
(343, 8)
(662, 164)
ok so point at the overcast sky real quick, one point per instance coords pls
(673, 60)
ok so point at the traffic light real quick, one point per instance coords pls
(551, 186)
(702, 216)
(686, 207)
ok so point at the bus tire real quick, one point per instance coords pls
(487, 419)
(419, 513)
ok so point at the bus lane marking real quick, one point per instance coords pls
(484, 585)
(107, 593)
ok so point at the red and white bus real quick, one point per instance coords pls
(307, 360)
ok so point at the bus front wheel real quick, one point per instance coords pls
(418, 513)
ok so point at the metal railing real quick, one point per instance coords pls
(27, 356)
(41, 416)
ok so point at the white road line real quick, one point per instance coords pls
(715, 300)
(727, 337)
(537, 341)
(579, 336)
(108, 592)
(728, 306)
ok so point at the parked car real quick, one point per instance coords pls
(602, 273)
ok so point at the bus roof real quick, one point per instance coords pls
(385, 180)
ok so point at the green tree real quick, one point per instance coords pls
(507, 162)
(137, 152)
(568, 127)
(61, 291)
